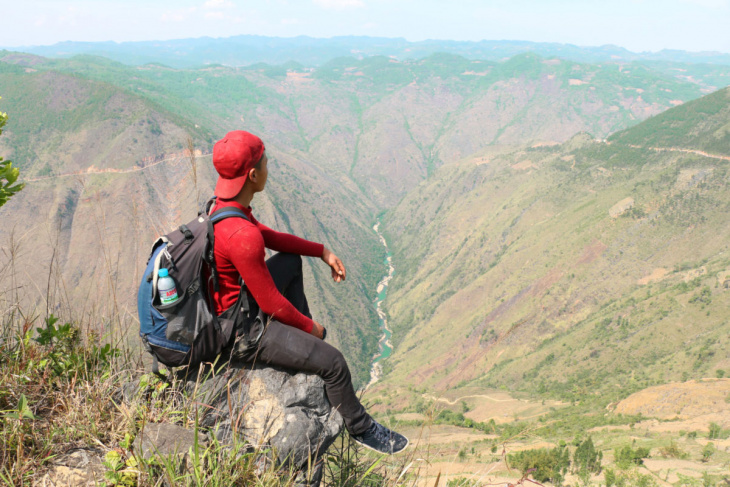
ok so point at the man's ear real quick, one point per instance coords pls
(252, 174)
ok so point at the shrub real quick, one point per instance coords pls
(708, 451)
(543, 464)
(586, 458)
(8, 174)
(672, 451)
(632, 478)
(627, 457)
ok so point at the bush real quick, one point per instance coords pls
(716, 432)
(627, 457)
(708, 451)
(8, 174)
(672, 451)
(631, 478)
(544, 465)
(586, 458)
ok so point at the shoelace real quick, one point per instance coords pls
(381, 433)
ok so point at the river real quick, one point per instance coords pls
(385, 348)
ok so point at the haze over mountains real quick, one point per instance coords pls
(250, 49)
(498, 213)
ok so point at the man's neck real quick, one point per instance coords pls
(245, 196)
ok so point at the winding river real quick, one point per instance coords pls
(385, 348)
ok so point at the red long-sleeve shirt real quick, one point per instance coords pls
(239, 250)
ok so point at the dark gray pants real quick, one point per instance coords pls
(291, 348)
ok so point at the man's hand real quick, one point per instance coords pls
(318, 331)
(338, 269)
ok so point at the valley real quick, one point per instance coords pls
(349, 146)
(537, 248)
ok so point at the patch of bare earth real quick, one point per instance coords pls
(523, 165)
(656, 275)
(696, 401)
(438, 448)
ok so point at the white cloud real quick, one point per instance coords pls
(339, 4)
(210, 4)
(291, 21)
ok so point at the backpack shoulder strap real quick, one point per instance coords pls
(218, 216)
(227, 212)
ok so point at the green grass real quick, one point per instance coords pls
(60, 390)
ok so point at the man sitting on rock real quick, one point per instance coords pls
(290, 339)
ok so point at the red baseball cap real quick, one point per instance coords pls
(233, 156)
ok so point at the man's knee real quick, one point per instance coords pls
(292, 261)
(338, 365)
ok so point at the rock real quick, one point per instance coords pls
(76, 468)
(282, 413)
(167, 440)
(272, 408)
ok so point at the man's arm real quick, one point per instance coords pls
(291, 244)
(247, 254)
(285, 242)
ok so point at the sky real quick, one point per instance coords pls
(638, 25)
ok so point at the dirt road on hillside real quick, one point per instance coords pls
(93, 170)
(675, 149)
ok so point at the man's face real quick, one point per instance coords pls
(262, 173)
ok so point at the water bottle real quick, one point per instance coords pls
(166, 287)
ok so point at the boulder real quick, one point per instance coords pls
(282, 413)
(274, 409)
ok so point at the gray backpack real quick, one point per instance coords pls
(187, 332)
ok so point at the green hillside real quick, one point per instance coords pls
(576, 271)
(702, 124)
(383, 122)
(64, 123)
(347, 141)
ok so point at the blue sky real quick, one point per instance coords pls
(638, 25)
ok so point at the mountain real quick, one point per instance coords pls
(106, 172)
(83, 123)
(703, 125)
(382, 123)
(583, 271)
(103, 146)
(249, 49)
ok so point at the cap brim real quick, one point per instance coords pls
(229, 188)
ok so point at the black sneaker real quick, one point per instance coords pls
(381, 439)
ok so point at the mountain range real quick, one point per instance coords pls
(250, 49)
(460, 157)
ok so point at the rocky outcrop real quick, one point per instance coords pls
(285, 412)
(167, 440)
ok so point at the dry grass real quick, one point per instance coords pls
(60, 391)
